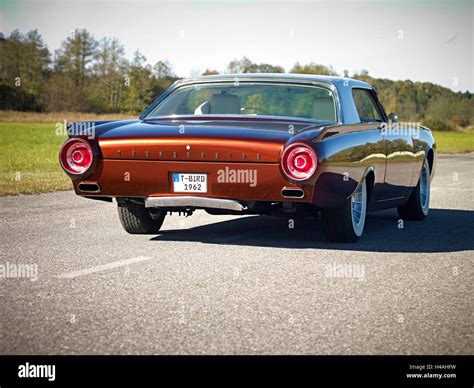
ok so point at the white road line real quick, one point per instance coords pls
(105, 267)
(450, 188)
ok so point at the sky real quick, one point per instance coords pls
(428, 41)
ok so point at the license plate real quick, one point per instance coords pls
(189, 183)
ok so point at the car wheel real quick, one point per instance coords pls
(418, 204)
(137, 219)
(346, 224)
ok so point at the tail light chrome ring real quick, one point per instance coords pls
(76, 156)
(299, 161)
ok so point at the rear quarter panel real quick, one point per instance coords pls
(425, 143)
(346, 154)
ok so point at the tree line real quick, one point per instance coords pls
(87, 74)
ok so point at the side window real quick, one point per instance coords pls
(366, 106)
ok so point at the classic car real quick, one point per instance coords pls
(275, 144)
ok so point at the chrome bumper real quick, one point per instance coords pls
(194, 202)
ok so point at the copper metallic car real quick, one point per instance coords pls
(256, 144)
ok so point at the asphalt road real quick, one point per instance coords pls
(225, 284)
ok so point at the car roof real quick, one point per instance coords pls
(303, 78)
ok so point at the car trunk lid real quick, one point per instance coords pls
(204, 140)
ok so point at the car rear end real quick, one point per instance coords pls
(158, 169)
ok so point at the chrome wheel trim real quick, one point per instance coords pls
(359, 208)
(425, 189)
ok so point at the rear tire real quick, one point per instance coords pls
(346, 223)
(137, 219)
(418, 204)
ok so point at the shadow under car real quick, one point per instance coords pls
(443, 231)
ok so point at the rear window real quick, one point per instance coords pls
(250, 99)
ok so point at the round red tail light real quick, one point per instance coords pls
(76, 156)
(299, 162)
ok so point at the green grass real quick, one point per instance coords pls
(29, 156)
(454, 142)
(29, 159)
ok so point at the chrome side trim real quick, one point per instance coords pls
(390, 199)
(196, 202)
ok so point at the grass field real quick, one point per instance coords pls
(29, 159)
(29, 148)
(12, 116)
(29, 156)
(454, 142)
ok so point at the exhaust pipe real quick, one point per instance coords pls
(89, 187)
(292, 192)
